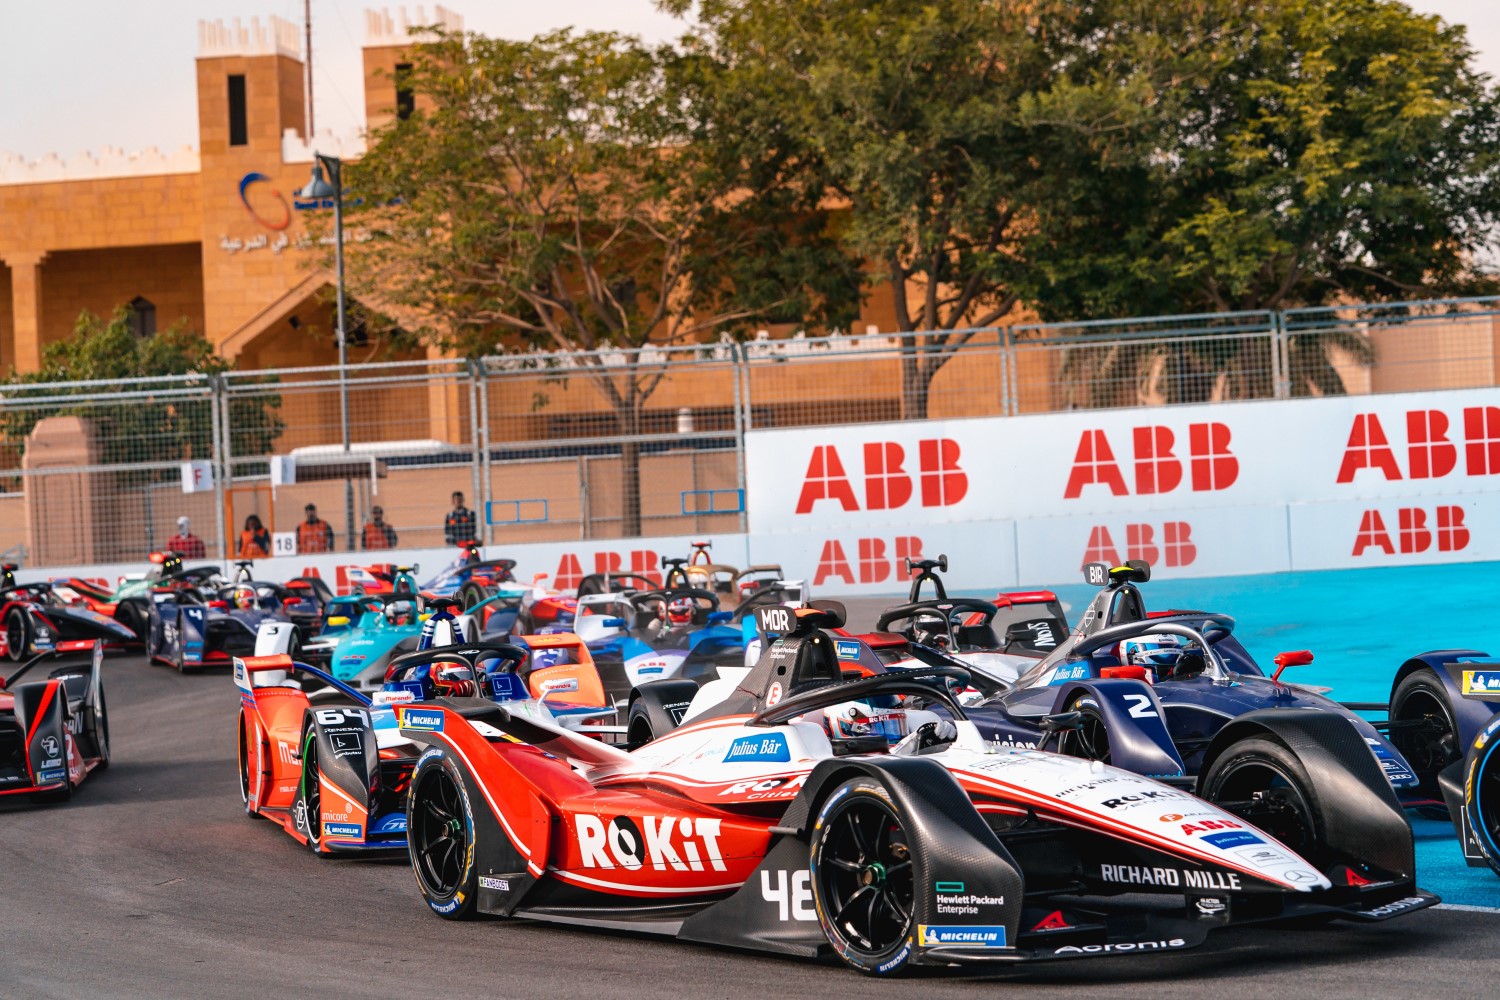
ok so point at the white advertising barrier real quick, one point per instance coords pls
(1217, 455)
(982, 554)
(1206, 490)
(564, 563)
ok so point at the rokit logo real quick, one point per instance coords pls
(678, 843)
(767, 788)
(792, 894)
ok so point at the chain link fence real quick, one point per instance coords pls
(551, 447)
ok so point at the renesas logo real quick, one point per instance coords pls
(678, 843)
(1155, 463)
(770, 747)
(887, 483)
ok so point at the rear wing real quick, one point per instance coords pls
(246, 667)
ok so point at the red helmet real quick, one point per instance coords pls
(680, 611)
(244, 598)
(453, 680)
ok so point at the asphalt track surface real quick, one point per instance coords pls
(153, 883)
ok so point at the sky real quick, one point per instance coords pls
(80, 75)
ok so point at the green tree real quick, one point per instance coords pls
(170, 420)
(1229, 156)
(575, 193)
(908, 112)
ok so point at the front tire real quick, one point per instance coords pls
(638, 730)
(862, 879)
(440, 839)
(1482, 799)
(310, 792)
(1091, 740)
(1263, 782)
(1426, 733)
(17, 634)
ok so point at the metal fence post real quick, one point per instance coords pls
(1281, 381)
(739, 433)
(218, 403)
(481, 417)
(1002, 339)
(742, 373)
(479, 483)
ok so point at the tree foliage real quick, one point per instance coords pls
(164, 424)
(574, 193)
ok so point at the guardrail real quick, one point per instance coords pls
(553, 446)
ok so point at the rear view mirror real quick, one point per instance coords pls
(338, 620)
(1293, 658)
(614, 623)
(717, 617)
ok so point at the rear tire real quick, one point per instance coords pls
(862, 878)
(129, 614)
(1430, 742)
(638, 725)
(17, 634)
(101, 732)
(440, 839)
(1264, 783)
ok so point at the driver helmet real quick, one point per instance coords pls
(679, 611)
(453, 680)
(171, 563)
(854, 718)
(1163, 654)
(244, 598)
(930, 630)
(398, 612)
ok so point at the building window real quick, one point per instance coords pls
(142, 317)
(406, 102)
(239, 130)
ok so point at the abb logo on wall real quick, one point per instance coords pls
(888, 483)
(1431, 452)
(640, 562)
(1155, 462)
(877, 560)
(1169, 544)
(1416, 532)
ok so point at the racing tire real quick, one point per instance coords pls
(1482, 797)
(470, 597)
(101, 732)
(294, 645)
(129, 614)
(17, 634)
(56, 796)
(1091, 740)
(1429, 741)
(244, 769)
(310, 792)
(179, 654)
(862, 878)
(1263, 782)
(638, 731)
(440, 838)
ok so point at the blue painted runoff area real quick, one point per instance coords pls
(1361, 624)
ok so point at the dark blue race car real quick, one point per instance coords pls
(1175, 696)
(193, 627)
(1445, 716)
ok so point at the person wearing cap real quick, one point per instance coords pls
(378, 534)
(185, 543)
(314, 533)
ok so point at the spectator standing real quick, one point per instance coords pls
(378, 534)
(313, 534)
(185, 543)
(458, 526)
(255, 540)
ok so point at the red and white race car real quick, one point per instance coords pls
(779, 821)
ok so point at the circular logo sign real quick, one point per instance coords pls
(773, 693)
